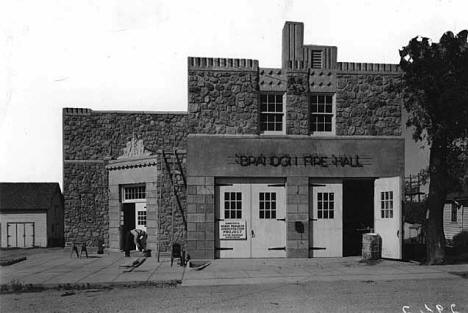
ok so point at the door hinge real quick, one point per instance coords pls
(278, 248)
(222, 185)
(223, 248)
(281, 219)
(219, 220)
(317, 248)
(317, 185)
(277, 185)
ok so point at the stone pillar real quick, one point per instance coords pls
(200, 217)
(297, 217)
(297, 103)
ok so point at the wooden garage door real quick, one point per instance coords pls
(20, 235)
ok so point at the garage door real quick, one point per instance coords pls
(20, 235)
(251, 220)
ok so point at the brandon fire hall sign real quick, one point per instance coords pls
(305, 160)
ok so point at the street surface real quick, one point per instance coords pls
(340, 296)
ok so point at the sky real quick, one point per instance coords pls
(132, 55)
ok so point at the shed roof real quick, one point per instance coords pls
(27, 196)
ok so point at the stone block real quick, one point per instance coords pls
(291, 244)
(191, 226)
(201, 207)
(209, 181)
(291, 208)
(297, 181)
(292, 189)
(205, 190)
(192, 190)
(200, 244)
(191, 208)
(195, 180)
(292, 217)
(201, 227)
(196, 217)
(191, 245)
(297, 253)
(303, 208)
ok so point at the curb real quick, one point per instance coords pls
(19, 287)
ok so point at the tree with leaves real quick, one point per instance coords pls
(435, 88)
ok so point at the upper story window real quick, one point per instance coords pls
(322, 114)
(271, 113)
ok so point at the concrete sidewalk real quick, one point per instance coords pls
(261, 271)
(57, 269)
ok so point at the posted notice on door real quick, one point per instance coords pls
(233, 230)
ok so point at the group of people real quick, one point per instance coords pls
(139, 239)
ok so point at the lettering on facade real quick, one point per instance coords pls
(233, 230)
(305, 160)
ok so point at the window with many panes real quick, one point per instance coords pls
(267, 205)
(232, 205)
(134, 193)
(386, 204)
(326, 205)
(141, 218)
(271, 113)
(322, 113)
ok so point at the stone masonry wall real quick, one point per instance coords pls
(366, 104)
(223, 96)
(297, 107)
(90, 139)
(85, 202)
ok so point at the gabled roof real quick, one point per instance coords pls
(27, 196)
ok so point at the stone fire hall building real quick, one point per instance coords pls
(297, 161)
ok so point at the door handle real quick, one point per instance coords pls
(252, 233)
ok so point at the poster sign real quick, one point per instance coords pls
(233, 230)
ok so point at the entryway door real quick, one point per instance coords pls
(326, 220)
(140, 215)
(251, 220)
(20, 235)
(387, 215)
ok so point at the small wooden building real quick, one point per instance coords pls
(31, 215)
(456, 214)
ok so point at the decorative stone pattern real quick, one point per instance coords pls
(272, 79)
(366, 104)
(90, 140)
(223, 99)
(297, 108)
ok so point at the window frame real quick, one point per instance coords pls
(332, 113)
(234, 205)
(325, 204)
(267, 205)
(260, 112)
(386, 204)
(143, 216)
(132, 200)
